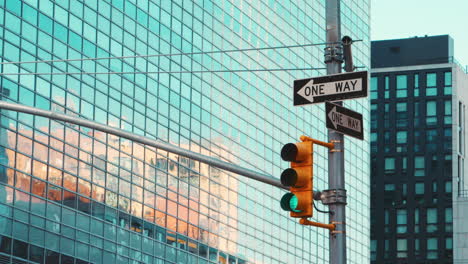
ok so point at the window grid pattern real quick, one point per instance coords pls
(414, 207)
(105, 199)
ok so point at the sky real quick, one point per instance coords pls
(394, 19)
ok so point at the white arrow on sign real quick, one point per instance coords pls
(344, 120)
(311, 90)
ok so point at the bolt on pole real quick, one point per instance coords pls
(336, 195)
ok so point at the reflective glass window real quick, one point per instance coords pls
(419, 165)
(431, 214)
(432, 248)
(402, 247)
(447, 78)
(401, 86)
(448, 243)
(389, 165)
(387, 87)
(401, 220)
(447, 83)
(374, 87)
(419, 188)
(431, 79)
(401, 137)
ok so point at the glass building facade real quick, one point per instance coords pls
(69, 194)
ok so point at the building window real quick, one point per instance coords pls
(389, 187)
(434, 162)
(402, 137)
(374, 116)
(404, 164)
(387, 87)
(401, 140)
(416, 85)
(447, 83)
(432, 248)
(448, 248)
(419, 166)
(448, 112)
(431, 84)
(448, 139)
(448, 186)
(461, 175)
(448, 219)
(373, 246)
(387, 249)
(448, 243)
(401, 86)
(431, 112)
(447, 78)
(389, 165)
(387, 220)
(416, 114)
(373, 139)
(461, 128)
(416, 247)
(419, 188)
(431, 135)
(431, 220)
(387, 147)
(401, 109)
(416, 221)
(374, 89)
(401, 221)
(431, 140)
(431, 80)
(387, 115)
(417, 146)
(402, 247)
(401, 115)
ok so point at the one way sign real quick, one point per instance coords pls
(335, 87)
(344, 120)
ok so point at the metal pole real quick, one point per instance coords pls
(335, 197)
(146, 141)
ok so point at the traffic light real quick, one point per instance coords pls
(299, 178)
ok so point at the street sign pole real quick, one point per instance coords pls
(335, 196)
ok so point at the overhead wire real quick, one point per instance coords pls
(165, 55)
(158, 72)
(172, 54)
(167, 72)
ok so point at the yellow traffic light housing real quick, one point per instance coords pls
(299, 179)
(299, 201)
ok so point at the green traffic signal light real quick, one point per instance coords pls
(289, 202)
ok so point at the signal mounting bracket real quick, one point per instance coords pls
(333, 196)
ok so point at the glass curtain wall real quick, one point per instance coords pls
(69, 194)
